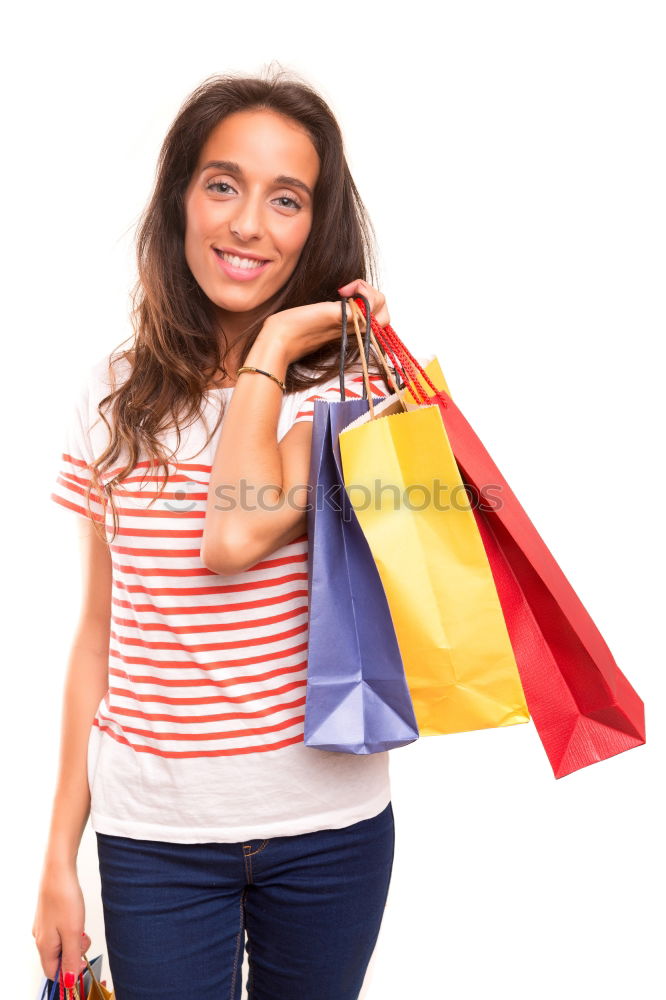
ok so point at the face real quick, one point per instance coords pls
(249, 200)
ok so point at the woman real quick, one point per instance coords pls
(184, 702)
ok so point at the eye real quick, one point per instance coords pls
(219, 184)
(286, 198)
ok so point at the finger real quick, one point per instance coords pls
(360, 287)
(73, 946)
(378, 306)
(359, 313)
(380, 311)
(377, 309)
(49, 953)
(376, 299)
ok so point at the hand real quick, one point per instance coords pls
(374, 296)
(304, 329)
(58, 923)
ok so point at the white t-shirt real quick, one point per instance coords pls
(199, 736)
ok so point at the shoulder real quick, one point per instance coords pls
(353, 375)
(109, 371)
(103, 377)
(95, 383)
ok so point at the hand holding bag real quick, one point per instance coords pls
(87, 987)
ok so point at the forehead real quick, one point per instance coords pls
(263, 144)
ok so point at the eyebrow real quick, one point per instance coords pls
(229, 167)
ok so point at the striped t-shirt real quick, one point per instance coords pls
(199, 736)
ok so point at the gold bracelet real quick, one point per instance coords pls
(250, 368)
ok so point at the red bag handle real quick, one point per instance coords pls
(404, 360)
(70, 991)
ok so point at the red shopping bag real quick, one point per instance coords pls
(584, 708)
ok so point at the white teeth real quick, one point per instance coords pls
(245, 263)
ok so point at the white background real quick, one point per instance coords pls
(512, 159)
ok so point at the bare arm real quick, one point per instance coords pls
(258, 486)
(85, 685)
(60, 905)
(258, 491)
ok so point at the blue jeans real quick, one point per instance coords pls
(176, 915)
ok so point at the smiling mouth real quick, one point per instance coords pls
(244, 263)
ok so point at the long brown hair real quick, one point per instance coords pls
(176, 343)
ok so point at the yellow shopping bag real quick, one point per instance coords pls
(435, 374)
(404, 484)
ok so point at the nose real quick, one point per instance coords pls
(246, 220)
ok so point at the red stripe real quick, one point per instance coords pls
(223, 588)
(250, 622)
(138, 588)
(202, 681)
(310, 411)
(237, 661)
(219, 646)
(202, 570)
(233, 734)
(216, 699)
(195, 553)
(79, 510)
(259, 713)
(73, 460)
(227, 752)
(156, 626)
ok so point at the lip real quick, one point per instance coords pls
(240, 253)
(239, 273)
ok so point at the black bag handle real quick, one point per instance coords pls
(343, 342)
(343, 347)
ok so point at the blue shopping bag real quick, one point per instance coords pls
(357, 698)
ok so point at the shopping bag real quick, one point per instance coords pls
(87, 986)
(97, 990)
(357, 699)
(584, 708)
(405, 487)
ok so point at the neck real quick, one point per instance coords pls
(233, 336)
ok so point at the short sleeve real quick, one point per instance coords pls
(74, 475)
(330, 391)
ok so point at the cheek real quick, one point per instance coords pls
(199, 221)
(298, 237)
(194, 224)
(190, 245)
